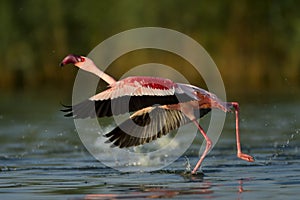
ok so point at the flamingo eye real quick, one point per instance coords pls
(82, 59)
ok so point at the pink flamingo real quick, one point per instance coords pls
(159, 106)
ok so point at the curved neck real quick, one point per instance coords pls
(107, 78)
(91, 67)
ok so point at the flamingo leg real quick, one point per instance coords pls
(238, 143)
(207, 148)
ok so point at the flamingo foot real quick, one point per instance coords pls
(245, 157)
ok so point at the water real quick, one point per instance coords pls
(42, 157)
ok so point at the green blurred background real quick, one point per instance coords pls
(254, 43)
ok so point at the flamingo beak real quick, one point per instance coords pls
(71, 58)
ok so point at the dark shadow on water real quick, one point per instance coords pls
(187, 176)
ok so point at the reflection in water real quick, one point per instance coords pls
(241, 188)
(200, 187)
(197, 186)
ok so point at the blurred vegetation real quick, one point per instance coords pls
(254, 43)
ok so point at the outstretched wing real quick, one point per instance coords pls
(120, 105)
(147, 125)
(130, 95)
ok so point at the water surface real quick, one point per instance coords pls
(41, 156)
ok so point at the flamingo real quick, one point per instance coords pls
(158, 106)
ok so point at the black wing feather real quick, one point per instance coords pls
(120, 105)
(144, 127)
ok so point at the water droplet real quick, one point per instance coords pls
(266, 124)
(187, 164)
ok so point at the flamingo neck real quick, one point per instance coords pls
(95, 70)
(107, 78)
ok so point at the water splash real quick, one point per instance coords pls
(187, 164)
(281, 149)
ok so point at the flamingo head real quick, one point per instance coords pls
(72, 59)
(79, 61)
(88, 65)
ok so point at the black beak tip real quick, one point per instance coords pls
(70, 59)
